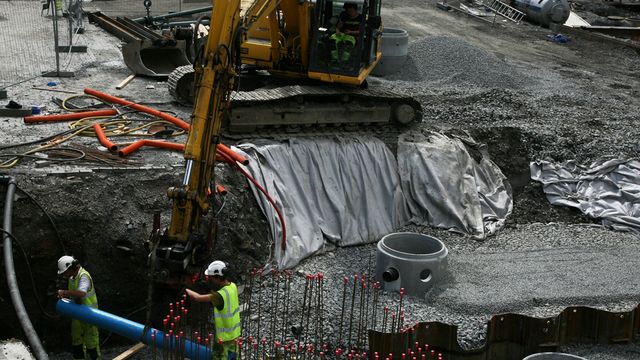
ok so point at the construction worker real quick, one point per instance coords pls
(350, 20)
(226, 309)
(84, 337)
(347, 32)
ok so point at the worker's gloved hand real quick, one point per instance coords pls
(62, 294)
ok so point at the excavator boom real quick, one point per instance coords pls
(215, 74)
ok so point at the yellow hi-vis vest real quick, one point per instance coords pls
(227, 320)
(90, 299)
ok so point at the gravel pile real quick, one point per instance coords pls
(448, 60)
(461, 85)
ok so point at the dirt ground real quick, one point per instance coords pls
(578, 101)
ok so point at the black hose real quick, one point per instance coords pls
(38, 141)
(33, 281)
(59, 159)
(12, 283)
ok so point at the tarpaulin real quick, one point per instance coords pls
(608, 189)
(343, 190)
(448, 188)
(351, 190)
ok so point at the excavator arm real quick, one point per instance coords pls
(215, 75)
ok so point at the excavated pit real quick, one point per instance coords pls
(104, 219)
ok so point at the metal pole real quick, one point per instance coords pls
(57, 72)
(177, 14)
(55, 36)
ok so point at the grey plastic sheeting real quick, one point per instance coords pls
(351, 190)
(448, 188)
(346, 191)
(608, 189)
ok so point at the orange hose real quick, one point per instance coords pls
(102, 137)
(232, 154)
(154, 143)
(146, 109)
(222, 157)
(68, 117)
(221, 190)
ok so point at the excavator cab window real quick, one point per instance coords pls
(342, 39)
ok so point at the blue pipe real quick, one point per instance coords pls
(126, 328)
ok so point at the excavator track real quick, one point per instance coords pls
(296, 107)
(180, 84)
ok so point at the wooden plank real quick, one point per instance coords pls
(127, 354)
(73, 48)
(126, 81)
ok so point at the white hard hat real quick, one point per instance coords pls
(216, 268)
(65, 262)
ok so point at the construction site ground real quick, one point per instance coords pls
(526, 97)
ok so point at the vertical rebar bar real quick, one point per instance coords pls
(316, 314)
(374, 314)
(393, 322)
(322, 301)
(363, 284)
(368, 292)
(353, 300)
(385, 318)
(259, 288)
(274, 327)
(287, 299)
(400, 307)
(306, 331)
(304, 304)
(344, 298)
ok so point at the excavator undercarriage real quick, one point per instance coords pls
(291, 107)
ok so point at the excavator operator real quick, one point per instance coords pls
(350, 20)
(347, 33)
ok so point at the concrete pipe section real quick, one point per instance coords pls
(411, 261)
(395, 46)
(553, 356)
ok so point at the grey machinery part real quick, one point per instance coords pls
(544, 12)
(553, 356)
(411, 261)
(142, 57)
(145, 52)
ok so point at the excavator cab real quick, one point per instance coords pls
(345, 44)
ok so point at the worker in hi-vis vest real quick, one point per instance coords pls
(226, 310)
(84, 337)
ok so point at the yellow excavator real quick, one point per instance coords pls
(298, 68)
(291, 39)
